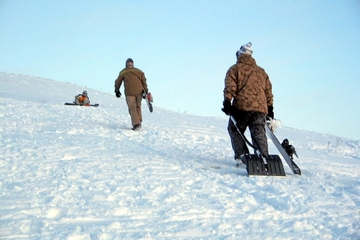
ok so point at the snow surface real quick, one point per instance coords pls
(69, 172)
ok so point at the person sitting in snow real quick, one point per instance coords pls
(82, 99)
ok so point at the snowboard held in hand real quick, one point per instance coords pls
(294, 168)
(74, 104)
(149, 99)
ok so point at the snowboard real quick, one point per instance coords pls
(74, 104)
(149, 100)
(294, 168)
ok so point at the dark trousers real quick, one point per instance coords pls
(256, 122)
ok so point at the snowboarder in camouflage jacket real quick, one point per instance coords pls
(248, 98)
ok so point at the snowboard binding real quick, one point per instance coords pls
(290, 149)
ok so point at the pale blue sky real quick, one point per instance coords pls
(309, 48)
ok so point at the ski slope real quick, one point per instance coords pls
(70, 172)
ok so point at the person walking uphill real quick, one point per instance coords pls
(248, 98)
(134, 86)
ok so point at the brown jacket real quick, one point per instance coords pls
(249, 85)
(134, 81)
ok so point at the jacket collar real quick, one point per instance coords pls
(246, 59)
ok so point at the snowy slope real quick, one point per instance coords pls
(69, 172)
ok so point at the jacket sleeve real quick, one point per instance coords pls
(143, 81)
(268, 92)
(230, 84)
(119, 81)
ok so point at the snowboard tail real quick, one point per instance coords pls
(148, 99)
(74, 104)
(292, 165)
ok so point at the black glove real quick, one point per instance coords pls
(227, 107)
(117, 94)
(144, 95)
(270, 113)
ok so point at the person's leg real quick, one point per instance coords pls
(258, 132)
(133, 110)
(237, 142)
(138, 107)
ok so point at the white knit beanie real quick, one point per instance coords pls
(245, 49)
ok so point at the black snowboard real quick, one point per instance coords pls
(149, 100)
(74, 104)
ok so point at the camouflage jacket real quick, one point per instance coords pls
(248, 85)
